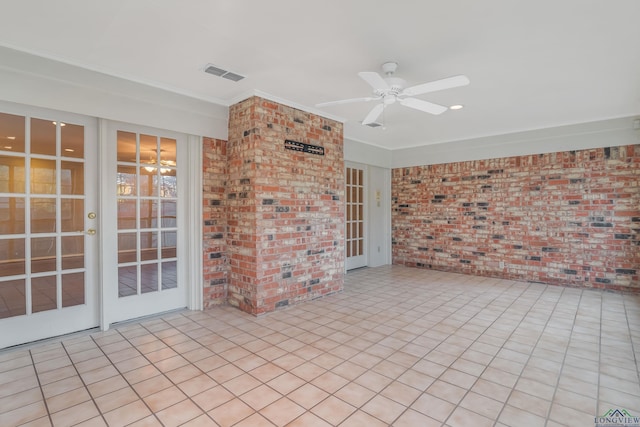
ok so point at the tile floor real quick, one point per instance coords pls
(400, 346)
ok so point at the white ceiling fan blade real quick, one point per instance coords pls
(373, 114)
(346, 101)
(427, 107)
(374, 79)
(448, 83)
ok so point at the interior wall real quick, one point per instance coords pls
(379, 216)
(570, 217)
(32, 80)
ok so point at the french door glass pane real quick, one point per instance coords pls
(12, 296)
(43, 137)
(147, 213)
(12, 215)
(72, 178)
(43, 254)
(13, 128)
(42, 202)
(72, 141)
(11, 174)
(43, 294)
(72, 252)
(355, 212)
(72, 289)
(12, 252)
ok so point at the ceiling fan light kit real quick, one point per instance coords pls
(390, 89)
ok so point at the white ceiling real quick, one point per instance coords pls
(532, 64)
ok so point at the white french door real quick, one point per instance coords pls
(143, 181)
(356, 227)
(48, 224)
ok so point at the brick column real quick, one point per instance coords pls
(285, 209)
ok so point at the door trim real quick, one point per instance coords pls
(365, 215)
(49, 326)
(189, 212)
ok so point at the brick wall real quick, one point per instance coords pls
(569, 218)
(215, 221)
(285, 209)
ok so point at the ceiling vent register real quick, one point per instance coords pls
(220, 72)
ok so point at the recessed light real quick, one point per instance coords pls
(456, 107)
(8, 147)
(11, 137)
(69, 150)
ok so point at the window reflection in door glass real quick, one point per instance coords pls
(43, 137)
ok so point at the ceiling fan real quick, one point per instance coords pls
(392, 89)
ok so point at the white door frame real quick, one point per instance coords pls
(51, 323)
(189, 256)
(363, 261)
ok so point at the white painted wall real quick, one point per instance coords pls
(366, 154)
(36, 81)
(379, 209)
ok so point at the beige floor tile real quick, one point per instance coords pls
(285, 383)
(165, 398)
(61, 386)
(308, 396)
(93, 422)
(137, 375)
(179, 413)
(393, 338)
(23, 398)
(260, 397)
(116, 399)
(99, 374)
(411, 418)
(462, 417)
(231, 412)
(282, 411)
(449, 392)
(66, 400)
(203, 420)
(571, 417)
(55, 375)
(225, 373)
(75, 414)
(529, 403)
(128, 414)
(362, 419)
(308, 420)
(212, 398)
(308, 371)
(109, 385)
(355, 394)
(241, 384)
(384, 409)
(512, 416)
(40, 422)
(349, 370)
(330, 382)
(266, 372)
(373, 381)
(433, 407)
(23, 414)
(333, 410)
(255, 420)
